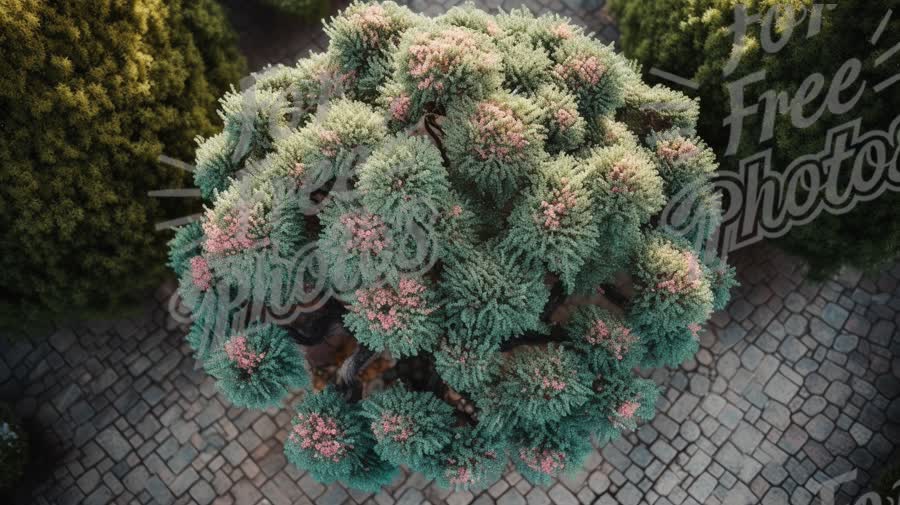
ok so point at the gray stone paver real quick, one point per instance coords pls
(795, 383)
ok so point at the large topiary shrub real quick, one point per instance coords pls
(691, 38)
(457, 193)
(92, 92)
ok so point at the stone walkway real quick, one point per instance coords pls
(796, 383)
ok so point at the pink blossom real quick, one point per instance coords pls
(397, 427)
(683, 281)
(499, 134)
(434, 55)
(543, 460)
(321, 434)
(563, 201)
(581, 71)
(372, 22)
(238, 231)
(565, 118)
(617, 340)
(390, 310)
(456, 211)
(621, 177)
(461, 476)
(331, 143)
(297, 173)
(675, 150)
(627, 409)
(200, 273)
(695, 329)
(241, 355)
(562, 31)
(368, 233)
(400, 107)
(492, 29)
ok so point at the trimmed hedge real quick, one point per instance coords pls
(92, 92)
(691, 39)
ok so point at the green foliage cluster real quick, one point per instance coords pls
(92, 92)
(691, 38)
(454, 182)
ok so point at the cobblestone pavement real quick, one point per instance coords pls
(796, 383)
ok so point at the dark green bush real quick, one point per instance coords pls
(13, 448)
(92, 92)
(690, 38)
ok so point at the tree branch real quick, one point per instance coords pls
(347, 381)
(313, 328)
(434, 131)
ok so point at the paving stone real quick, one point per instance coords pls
(820, 427)
(513, 497)
(781, 389)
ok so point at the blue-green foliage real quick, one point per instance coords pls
(185, 245)
(603, 339)
(281, 368)
(553, 225)
(540, 454)
(536, 386)
(493, 297)
(474, 458)
(409, 426)
(467, 365)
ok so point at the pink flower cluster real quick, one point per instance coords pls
(676, 150)
(543, 460)
(617, 340)
(200, 273)
(238, 232)
(550, 382)
(397, 427)
(695, 329)
(461, 476)
(686, 281)
(372, 22)
(297, 173)
(400, 107)
(581, 71)
(620, 177)
(321, 434)
(389, 310)
(331, 143)
(499, 133)
(241, 355)
(563, 201)
(628, 409)
(562, 31)
(368, 233)
(565, 118)
(433, 56)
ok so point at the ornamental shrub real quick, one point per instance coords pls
(92, 92)
(305, 9)
(691, 38)
(461, 197)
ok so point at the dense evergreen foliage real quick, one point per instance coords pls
(691, 38)
(456, 193)
(92, 92)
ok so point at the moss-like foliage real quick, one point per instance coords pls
(14, 448)
(485, 199)
(84, 122)
(493, 296)
(409, 426)
(691, 38)
(304, 9)
(258, 368)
